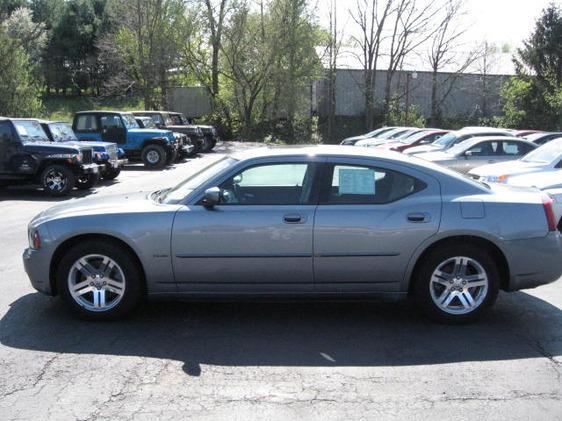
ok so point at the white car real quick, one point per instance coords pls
(397, 135)
(539, 167)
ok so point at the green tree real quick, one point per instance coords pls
(19, 94)
(533, 97)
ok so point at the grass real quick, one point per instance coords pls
(62, 108)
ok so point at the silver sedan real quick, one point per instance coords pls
(320, 222)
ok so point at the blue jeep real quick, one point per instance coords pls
(106, 154)
(154, 147)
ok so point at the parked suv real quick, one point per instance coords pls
(210, 132)
(27, 156)
(106, 154)
(175, 122)
(154, 147)
(185, 145)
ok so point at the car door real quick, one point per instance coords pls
(8, 146)
(482, 153)
(259, 238)
(112, 128)
(370, 220)
(86, 127)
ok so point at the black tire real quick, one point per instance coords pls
(65, 180)
(207, 144)
(86, 182)
(154, 156)
(111, 174)
(134, 285)
(172, 157)
(431, 262)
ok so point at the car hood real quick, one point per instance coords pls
(436, 156)
(149, 132)
(423, 149)
(96, 146)
(106, 205)
(46, 147)
(508, 168)
(541, 180)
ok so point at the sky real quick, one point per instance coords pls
(499, 22)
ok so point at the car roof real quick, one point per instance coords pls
(474, 140)
(103, 112)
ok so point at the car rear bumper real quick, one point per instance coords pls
(36, 264)
(534, 262)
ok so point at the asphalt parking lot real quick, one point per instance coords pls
(273, 361)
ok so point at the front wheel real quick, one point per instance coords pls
(154, 156)
(111, 174)
(457, 284)
(172, 157)
(99, 280)
(86, 182)
(57, 180)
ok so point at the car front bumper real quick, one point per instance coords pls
(89, 169)
(36, 264)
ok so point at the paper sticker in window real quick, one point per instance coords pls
(356, 181)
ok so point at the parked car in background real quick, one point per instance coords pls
(480, 151)
(373, 224)
(28, 157)
(424, 137)
(106, 154)
(395, 135)
(350, 141)
(525, 133)
(210, 132)
(154, 147)
(544, 163)
(453, 138)
(543, 137)
(185, 145)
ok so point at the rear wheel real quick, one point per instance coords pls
(457, 284)
(85, 182)
(99, 280)
(154, 156)
(111, 174)
(57, 180)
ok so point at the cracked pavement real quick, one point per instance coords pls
(277, 361)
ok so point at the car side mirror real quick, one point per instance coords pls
(468, 154)
(212, 197)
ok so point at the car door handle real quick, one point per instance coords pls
(419, 218)
(294, 218)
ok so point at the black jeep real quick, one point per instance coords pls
(28, 157)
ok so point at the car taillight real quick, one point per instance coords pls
(547, 203)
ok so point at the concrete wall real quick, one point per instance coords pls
(469, 93)
(191, 101)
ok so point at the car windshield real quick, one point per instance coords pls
(461, 147)
(129, 121)
(414, 138)
(30, 130)
(62, 132)
(545, 154)
(446, 140)
(536, 136)
(206, 170)
(177, 119)
(148, 123)
(407, 134)
(378, 132)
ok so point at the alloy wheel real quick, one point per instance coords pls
(96, 282)
(459, 285)
(55, 180)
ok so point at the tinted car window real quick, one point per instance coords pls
(352, 184)
(515, 148)
(6, 135)
(111, 122)
(270, 184)
(484, 149)
(86, 123)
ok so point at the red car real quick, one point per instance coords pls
(421, 138)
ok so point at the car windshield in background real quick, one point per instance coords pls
(199, 176)
(413, 138)
(129, 121)
(30, 131)
(148, 123)
(545, 154)
(62, 132)
(445, 140)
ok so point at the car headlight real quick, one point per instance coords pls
(34, 238)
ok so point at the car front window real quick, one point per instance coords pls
(30, 131)
(445, 140)
(201, 173)
(545, 154)
(129, 121)
(62, 132)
